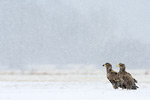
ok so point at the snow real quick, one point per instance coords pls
(69, 91)
(92, 85)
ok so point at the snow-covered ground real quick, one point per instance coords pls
(69, 91)
(67, 86)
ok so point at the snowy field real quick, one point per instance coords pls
(69, 85)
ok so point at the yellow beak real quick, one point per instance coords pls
(118, 66)
(105, 65)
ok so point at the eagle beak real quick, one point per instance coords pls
(104, 65)
(118, 66)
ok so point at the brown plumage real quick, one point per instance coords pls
(127, 81)
(112, 76)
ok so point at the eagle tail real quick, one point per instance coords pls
(135, 80)
(134, 87)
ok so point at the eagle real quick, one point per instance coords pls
(112, 76)
(126, 79)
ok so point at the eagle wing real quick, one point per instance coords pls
(114, 79)
(132, 77)
(129, 81)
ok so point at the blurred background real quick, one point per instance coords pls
(62, 34)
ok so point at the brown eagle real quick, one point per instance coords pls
(112, 76)
(125, 78)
